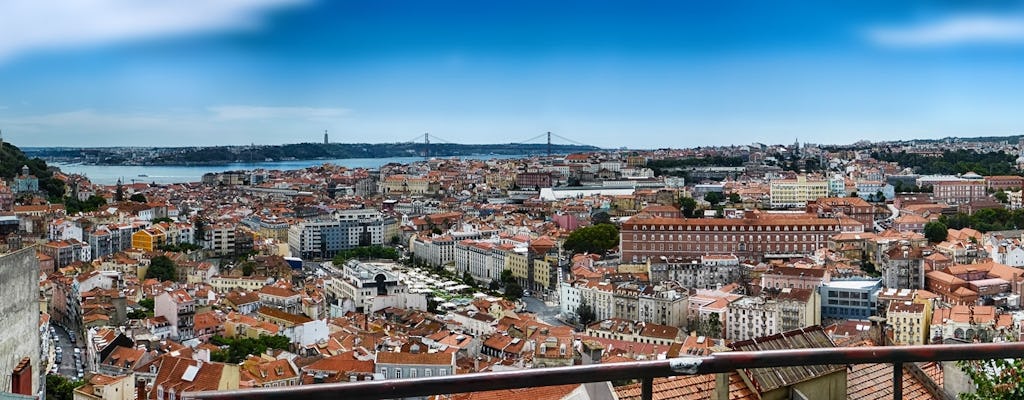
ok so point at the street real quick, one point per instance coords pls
(544, 312)
(67, 366)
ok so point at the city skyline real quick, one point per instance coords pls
(655, 74)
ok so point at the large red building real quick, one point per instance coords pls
(753, 237)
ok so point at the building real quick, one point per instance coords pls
(1004, 182)
(417, 363)
(902, 267)
(708, 272)
(105, 387)
(530, 180)
(853, 207)
(910, 322)
(368, 288)
(321, 240)
(786, 193)
(19, 284)
(850, 298)
(754, 236)
(179, 308)
(959, 191)
(751, 317)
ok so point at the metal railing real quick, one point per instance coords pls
(646, 371)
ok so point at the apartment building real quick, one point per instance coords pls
(787, 193)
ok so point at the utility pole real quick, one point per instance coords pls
(549, 144)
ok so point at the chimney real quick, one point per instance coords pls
(21, 378)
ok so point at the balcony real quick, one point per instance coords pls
(645, 371)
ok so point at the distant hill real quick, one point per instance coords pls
(300, 151)
(11, 161)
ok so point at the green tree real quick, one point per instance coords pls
(600, 217)
(596, 239)
(513, 291)
(138, 198)
(148, 304)
(163, 269)
(506, 277)
(234, 350)
(60, 388)
(687, 205)
(735, 198)
(994, 379)
(935, 231)
(585, 313)
(1001, 196)
(365, 253)
(714, 197)
(467, 278)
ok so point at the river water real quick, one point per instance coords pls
(109, 174)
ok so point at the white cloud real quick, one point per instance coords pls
(958, 30)
(56, 24)
(263, 112)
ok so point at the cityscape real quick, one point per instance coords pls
(459, 200)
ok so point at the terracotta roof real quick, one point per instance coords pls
(534, 393)
(389, 357)
(874, 381)
(687, 388)
(768, 379)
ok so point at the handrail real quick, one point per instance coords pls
(646, 370)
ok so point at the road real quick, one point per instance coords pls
(546, 312)
(67, 366)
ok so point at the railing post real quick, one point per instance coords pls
(897, 381)
(647, 389)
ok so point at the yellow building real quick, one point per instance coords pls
(542, 273)
(910, 322)
(149, 239)
(797, 192)
(519, 264)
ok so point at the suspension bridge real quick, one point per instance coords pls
(427, 139)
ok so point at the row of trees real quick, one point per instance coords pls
(365, 253)
(954, 162)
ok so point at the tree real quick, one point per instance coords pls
(997, 378)
(138, 198)
(234, 350)
(735, 198)
(1001, 196)
(119, 192)
(148, 304)
(714, 197)
(60, 388)
(600, 217)
(494, 285)
(513, 291)
(935, 231)
(506, 277)
(879, 196)
(585, 313)
(596, 239)
(467, 278)
(687, 205)
(162, 269)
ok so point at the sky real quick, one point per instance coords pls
(636, 74)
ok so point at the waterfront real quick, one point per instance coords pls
(109, 174)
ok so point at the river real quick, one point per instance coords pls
(109, 174)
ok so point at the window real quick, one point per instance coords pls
(398, 373)
(442, 372)
(384, 372)
(426, 372)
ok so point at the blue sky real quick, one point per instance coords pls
(634, 74)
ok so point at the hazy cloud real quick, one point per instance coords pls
(957, 30)
(263, 112)
(55, 24)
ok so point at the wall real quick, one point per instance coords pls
(19, 314)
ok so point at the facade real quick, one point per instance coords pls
(910, 322)
(853, 207)
(415, 364)
(755, 236)
(751, 317)
(850, 298)
(322, 240)
(179, 308)
(796, 192)
(368, 288)
(959, 191)
(707, 272)
(530, 180)
(19, 284)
